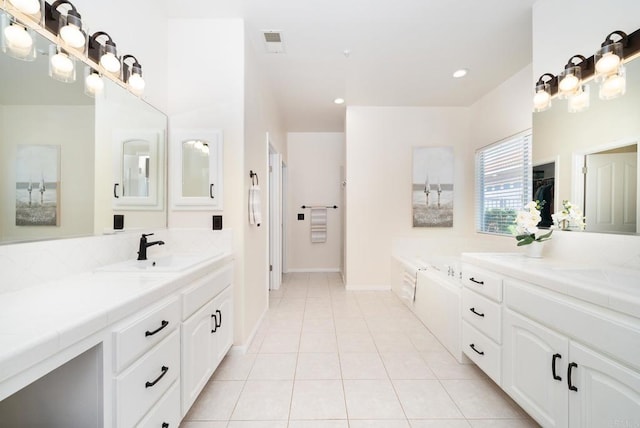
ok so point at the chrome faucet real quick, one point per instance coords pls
(142, 251)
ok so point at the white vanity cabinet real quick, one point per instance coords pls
(482, 320)
(555, 365)
(207, 332)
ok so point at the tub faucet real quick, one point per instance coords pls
(142, 251)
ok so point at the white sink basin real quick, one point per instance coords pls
(169, 263)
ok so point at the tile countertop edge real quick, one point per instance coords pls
(20, 353)
(546, 273)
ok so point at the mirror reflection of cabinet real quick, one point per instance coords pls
(196, 169)
(138, 170)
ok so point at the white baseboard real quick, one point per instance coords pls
(304, 270)
(367, 287)
(244, 348)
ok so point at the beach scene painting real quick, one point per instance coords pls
(432, 188)
(37, 185)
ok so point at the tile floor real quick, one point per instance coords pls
(328, 358)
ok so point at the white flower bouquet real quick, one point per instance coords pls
(570, 217)
(526, 229)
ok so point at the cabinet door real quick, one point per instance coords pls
(197, 364)
(196, 156)
(223, 327)
(608, 394)
(530, 352)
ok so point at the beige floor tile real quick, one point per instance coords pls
(264, 400)
(439, 423)
(362, 365)
(274, 367)
(372, 399)
(318, 399)
(425, 399)
(503, 423)
(216, 401)
(399, 423)
(393, 342)
(478, 399)
(318, 365)
(318, 342)
(257, 424)
(318, 326)
(204, 424)
(406, 365)
(277, 342)
(319, 424)
(235, 367)
(356, 342)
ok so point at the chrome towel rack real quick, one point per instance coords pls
(335, 207)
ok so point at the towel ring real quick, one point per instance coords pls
(253, 175)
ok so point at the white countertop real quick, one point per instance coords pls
(612, 287)
(38, 322)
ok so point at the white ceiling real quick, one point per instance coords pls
(403, 53)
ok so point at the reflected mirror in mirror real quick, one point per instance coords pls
(195, 168)
(135, 168)
(569, 138)
(36, 110)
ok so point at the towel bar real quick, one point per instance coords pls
(335, 207)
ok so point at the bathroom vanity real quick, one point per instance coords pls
(562, 340)
(128, 344)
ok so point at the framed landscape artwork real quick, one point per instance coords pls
(432, 187)
(37, 185)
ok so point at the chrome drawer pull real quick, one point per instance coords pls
(472, 279)
(477, 313)
(164, 369)
(474, 348)
(162, 325)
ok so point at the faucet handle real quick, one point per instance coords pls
(144, 235)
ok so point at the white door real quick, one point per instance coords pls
(607, 394)
(530, 353)
(275, 221)
(610, 192)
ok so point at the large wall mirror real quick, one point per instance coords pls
(57, 153)
(596, 156)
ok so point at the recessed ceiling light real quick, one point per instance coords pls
(460, 73)
(339, 101)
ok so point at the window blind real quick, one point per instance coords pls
(503, 183)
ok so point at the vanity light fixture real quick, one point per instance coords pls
(610, 73)
(104, 54)
(132, 75)
(542, 97)
(17, 40)
(606, 66)
(62, 66)
(68, 26)
(28, 7)
(93, 83)
(580, 100)
(569, 81)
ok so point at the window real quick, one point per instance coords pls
(503, 183)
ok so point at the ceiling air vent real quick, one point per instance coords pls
(273, 41)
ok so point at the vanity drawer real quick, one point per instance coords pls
(205, 289)
(141, 386)
(482, 313)
(143, 332)
(483, 282)
(482, 351)
(166, 412)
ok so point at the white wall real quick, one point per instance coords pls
(24, 124)
(315, 161)
(261, 117)
(379, 142)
